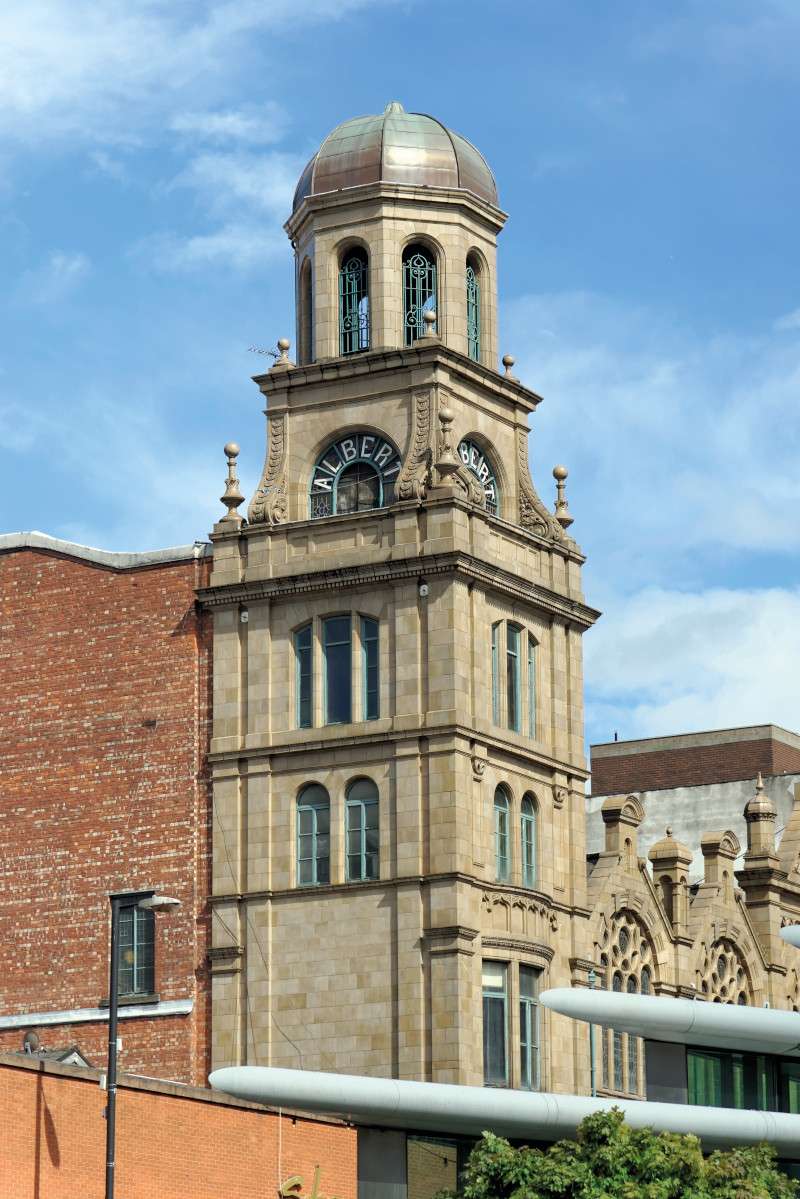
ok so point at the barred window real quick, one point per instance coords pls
(473, 308)
(354, 302)
(419, 291)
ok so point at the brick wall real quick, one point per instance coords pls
(688, 766)
(172, 1142)
(104, 710)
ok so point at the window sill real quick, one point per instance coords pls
(130, 1000)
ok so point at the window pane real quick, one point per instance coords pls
(501, 835)
(473, 313)
(353, 303)
(790, 1087)
(363, 836)
(419, 291)
(704, 1078)
(528, 828)
(512, 676)
(313, 841)
(338, 670)
(496, 673)
(304, 677)
(495, 1072)
(369, 649)
(531, 687)
(358, 489)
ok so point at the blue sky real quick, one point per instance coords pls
(650, 286)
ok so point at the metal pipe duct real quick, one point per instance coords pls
(528, 1115)
(685, 1021)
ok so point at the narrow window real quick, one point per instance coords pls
(529, 1027)
(354, 302)
(419, 291)
(496, 673)
(619, 1078)
(304, 679)
(528, 830)
(313, 836)
(512, 677)
(705, 1078)
(495, 1024)
(136, 951)
(338, 669)
(633, 1046)
(369, 675)
(473, 309)
(358, 489)
(362, 831)
(502, 870)
(531, 686)
(306, 320)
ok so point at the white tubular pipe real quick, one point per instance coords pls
(685, 1021)
(532, 1115)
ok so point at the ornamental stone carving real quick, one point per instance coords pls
(269, 504)
(414, 478)
(533, 515)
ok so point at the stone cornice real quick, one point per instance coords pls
(394, 571)
(381, 361)
(305, 745)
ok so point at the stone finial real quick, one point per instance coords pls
(760, 815)
(562, 513)
(446, 461)
(671, 862)
(283, 361)
(508, 362)
(232, 496)
(429, 320)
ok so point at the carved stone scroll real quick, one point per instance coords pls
(533, 515)
(269, 502)
(414, 477)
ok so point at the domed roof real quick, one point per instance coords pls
(396, 147)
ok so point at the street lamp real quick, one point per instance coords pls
(152, 902)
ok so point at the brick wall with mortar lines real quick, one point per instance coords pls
(54, 1141)
(692, 766)
(104, 715)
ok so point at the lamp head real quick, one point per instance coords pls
(159, 903)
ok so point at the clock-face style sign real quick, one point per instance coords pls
(476, 461)
(354, 474)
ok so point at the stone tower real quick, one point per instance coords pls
(397, 747)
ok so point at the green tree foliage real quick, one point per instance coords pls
(609, 1160)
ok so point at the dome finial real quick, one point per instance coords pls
(393, 106)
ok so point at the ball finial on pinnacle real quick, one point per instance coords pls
(560, 473)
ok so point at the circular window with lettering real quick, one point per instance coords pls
(476, 461)
(355, 473)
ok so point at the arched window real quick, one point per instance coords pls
(531, 686)
(305, 348)
(419, 291)
(313, 836)
(354, 474)
(473, 308)
(501, 846)
(626, 965)
(363, 847)
(528, 832)
(353, 301)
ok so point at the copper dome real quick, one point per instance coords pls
(396, 147)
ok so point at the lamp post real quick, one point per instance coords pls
(121, 899)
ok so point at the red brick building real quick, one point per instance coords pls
(173, 1142)
(104, 712)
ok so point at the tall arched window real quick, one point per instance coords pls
(363, 836)
(627, 961)
(353, 301)
(501, 845)
(419, 291)
(528, 836)
(473, 308)
(306, 339)
(313, 836)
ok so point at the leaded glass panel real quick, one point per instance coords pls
(419, 291)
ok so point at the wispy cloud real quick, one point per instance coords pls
(55, 278)
(663, 661)
(237, 246)
(690, 442)
(255, 125)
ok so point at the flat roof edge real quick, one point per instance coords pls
(699, 740)
(34, 540)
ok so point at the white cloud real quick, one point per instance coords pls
(239, 247)
(114, 168)
(255, 125)
(673, 442)
(789, 322)
(19, 426)
(106, 69)
(663, 662)
(55, 279)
